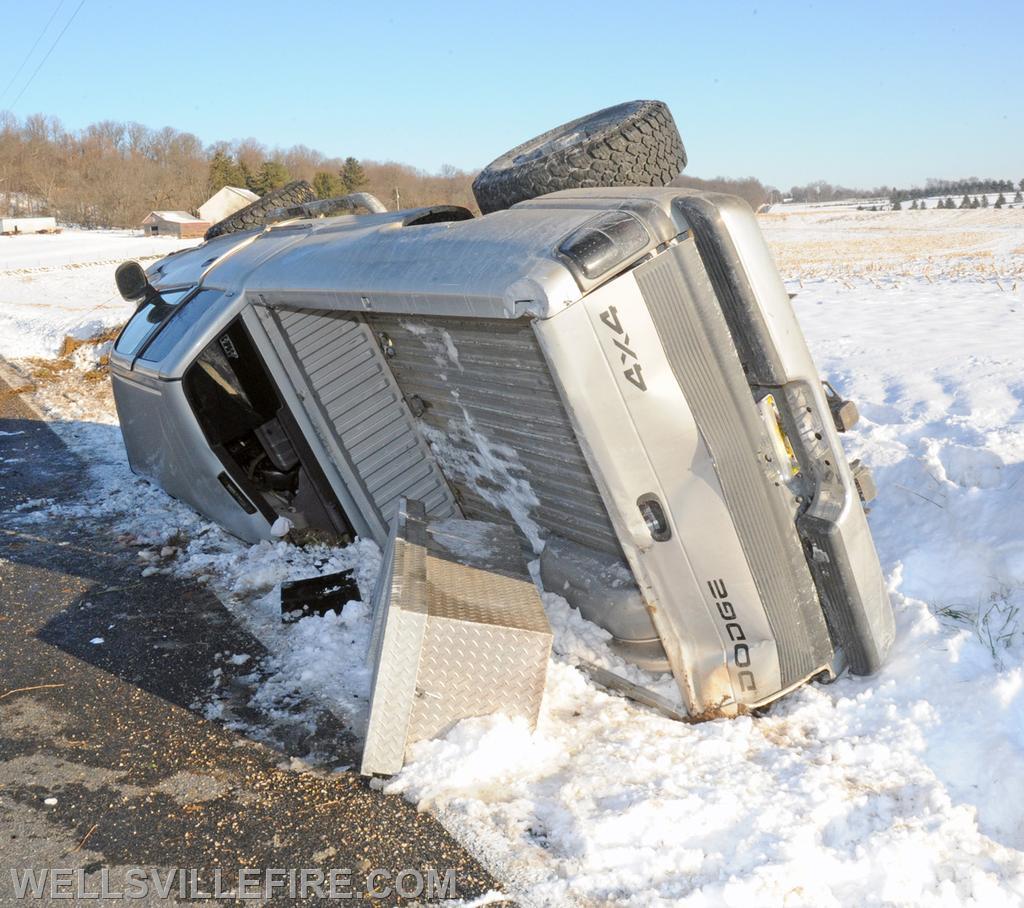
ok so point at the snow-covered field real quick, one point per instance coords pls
(893, 247)
(57, 286)
(901, 789)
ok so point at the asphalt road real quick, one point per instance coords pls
(106, 761)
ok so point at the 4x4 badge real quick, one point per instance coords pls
(635, 373)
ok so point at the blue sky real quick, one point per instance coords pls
(866, 93)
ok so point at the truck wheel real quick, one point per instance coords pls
(298, 192)
(631, 144)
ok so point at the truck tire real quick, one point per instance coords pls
(630, 144)
(298, 192)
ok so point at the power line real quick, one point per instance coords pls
(32, 50)
(35, 72)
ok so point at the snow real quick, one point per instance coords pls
(493, 470)
(175, 217)
(281, 527)
(899, 789)
(468, 539)
(439, 343)
(62, 285)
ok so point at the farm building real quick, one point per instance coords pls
(28, 225)
(224, 202)
(174, 223)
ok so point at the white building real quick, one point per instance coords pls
(225, 202)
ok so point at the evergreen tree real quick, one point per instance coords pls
(1001, 201)
(327, 186)
(271, 175)
(913, 205)
(975, 203)
(353, 177)
(1021, 185)
(1018, 197)
(984, 201)
(965, 202)
(224, 171)
(245, 177)
(896, 205)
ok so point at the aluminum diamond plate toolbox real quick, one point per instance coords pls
(459, 631)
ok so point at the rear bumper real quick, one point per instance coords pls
(832, 524)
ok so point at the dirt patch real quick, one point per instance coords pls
(71, 344)
(47, 370)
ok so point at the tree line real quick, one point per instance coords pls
(749, 188)
(966, 202)
(970, 186)
(112, 174)
(823, 191)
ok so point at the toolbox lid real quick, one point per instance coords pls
(459, 630)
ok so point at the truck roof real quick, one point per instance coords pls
(505, 264)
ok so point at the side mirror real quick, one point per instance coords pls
(131, 280)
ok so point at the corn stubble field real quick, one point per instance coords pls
(845, 245)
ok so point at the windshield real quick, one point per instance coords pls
(147, 318)
(177, 326)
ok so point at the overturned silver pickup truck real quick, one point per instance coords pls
(615, 370)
